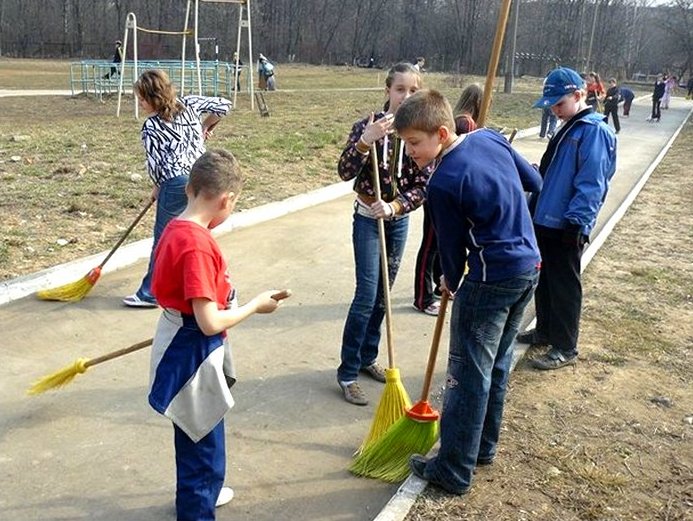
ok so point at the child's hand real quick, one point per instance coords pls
(269, 301)
(376, 130)
(382, 210)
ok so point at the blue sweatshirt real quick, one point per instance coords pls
(478, 205)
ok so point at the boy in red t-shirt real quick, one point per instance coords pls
(192, 368)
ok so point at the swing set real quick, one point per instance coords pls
(203, 72)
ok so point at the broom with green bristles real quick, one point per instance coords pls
(74, 291)
(387, 458)
(394, 400)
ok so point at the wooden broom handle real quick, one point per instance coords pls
(493, 61)
(383, 263)
(127, 232)
(435, 342)
(280, 295)
(119, 352)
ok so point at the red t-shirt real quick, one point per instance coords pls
(188, 264)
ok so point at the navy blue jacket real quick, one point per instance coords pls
(478, 205)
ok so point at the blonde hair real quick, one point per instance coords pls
(426, 110)
(469, 102)
(155, 87)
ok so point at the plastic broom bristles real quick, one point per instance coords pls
(393, 402)
(59, 378)
(73, 291)
(387, 458)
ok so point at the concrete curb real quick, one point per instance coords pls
(127, 255)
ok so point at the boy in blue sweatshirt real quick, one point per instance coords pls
(577, 166)
(476, 197)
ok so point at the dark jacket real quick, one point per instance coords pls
(613, 96)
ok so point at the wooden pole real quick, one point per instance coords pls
(493, 61)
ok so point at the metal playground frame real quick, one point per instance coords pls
(204, 71)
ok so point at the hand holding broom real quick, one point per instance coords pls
(394, 400)
(64, 376)
(75, 291)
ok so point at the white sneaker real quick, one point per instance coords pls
(225, 496)
(133, 301)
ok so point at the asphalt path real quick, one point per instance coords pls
(95, 450)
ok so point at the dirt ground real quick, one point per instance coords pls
(611, 439)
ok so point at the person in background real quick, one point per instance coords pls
(173, 137)
(657, 93)
(613, 96)
(420, 62)
(595, 90)
(265, 71)
(237, 68)
(577, 166)
(689, 86)
(627, 95)
(117, 59)
(548, 123)
(670, 87)
(403, 189)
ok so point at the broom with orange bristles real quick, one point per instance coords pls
(387, 458)
(394, 400)
(74, 291)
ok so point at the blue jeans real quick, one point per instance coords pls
(485, 320)
(200, 472)
(170, 204)
(362, 328)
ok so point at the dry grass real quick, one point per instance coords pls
(67, 164)
(611, 439)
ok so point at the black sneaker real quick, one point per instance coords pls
(554, 359)
(532, 338)
(417, 464)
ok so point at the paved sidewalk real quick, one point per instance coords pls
(95, 451)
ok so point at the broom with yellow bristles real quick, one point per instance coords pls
(67, 374)
(75, 291)
(387, 458)
(394, 400)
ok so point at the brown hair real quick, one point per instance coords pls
(155, 87)
(403, 68)
(426, 110)
(215, 172)
(469, 102)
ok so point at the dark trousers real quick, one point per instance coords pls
(558, 299)
(200, 471)
(428, 271)
(656, 112)
(613, 111)
(626, 107)
(111, 73)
